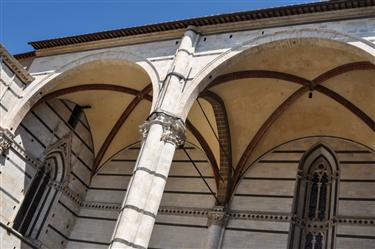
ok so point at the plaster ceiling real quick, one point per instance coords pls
(107, 105)
(129, 131)
(249, 102)
(305, 58)
(101, 120)
(319, 115)
(358, 87)
(114, 72)
(197, 118)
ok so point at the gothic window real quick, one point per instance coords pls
(42, 194)
(30, 203)
(315, 200)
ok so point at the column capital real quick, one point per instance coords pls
(173, 128)
(217, 216)
(6, 140)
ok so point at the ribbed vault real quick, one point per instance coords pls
(293, 91)
(265, 99)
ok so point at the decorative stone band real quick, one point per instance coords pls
(65, 190)
(173, 128)
(315, 226)
(217, 216)
(139, 210)
(125, 242)
(258, 215)
(182, 211)
(6, 140)
(151, 172)
(101, 205)
(15, 66)
(180, 77)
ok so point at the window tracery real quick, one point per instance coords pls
(314, 207)
(41, 196)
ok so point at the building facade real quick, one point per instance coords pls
(246, 130)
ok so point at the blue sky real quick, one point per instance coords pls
(22, 21)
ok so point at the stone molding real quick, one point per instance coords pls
(315, 226)
(66, 191)
(231, 27)
(101, 205)
(217, 216)
(6, 140)
(173, 128)
(183, 211)
(15, 66)
(364, 221)
(259, 215)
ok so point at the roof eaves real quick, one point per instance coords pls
(283, 11)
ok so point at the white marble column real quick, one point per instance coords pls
(217, 220)
(162, 133)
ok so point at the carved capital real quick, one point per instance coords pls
(217, 216)
(6, 140)
(173, 128)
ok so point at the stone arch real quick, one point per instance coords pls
(326, 38)
(37, 88)
(60, 154)
(45, 190)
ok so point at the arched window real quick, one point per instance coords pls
(315, 200)
(32, 198)
(43, 191)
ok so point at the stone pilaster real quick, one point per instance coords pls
(217, 221)
(6, 140)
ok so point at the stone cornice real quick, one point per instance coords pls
(218, 216)
(15, 66)
(7, 142)
(238, 22)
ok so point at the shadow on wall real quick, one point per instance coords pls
(50, 152)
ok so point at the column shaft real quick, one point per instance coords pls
(162, 133)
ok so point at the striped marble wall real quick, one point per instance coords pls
(43, 126)
(267, 189)
(259, 216)
(174, 228)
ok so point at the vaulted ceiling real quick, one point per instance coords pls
(268, 102)
(265, 96)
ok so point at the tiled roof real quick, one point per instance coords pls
(292, 10)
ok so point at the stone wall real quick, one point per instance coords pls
(265, 196)
(259, 215)
(175, 226)
(46, 124)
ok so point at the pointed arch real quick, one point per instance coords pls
(43, 85)
(43, 192)
(315, 201)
